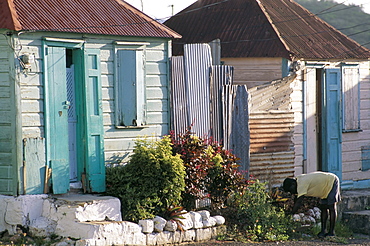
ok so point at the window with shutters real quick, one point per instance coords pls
(130, 84)
(351, 97)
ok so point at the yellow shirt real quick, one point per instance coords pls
(316, 184)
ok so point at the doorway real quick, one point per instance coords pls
(323, 120)
(72, 116)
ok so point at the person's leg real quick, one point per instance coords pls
(324, 219)
(333, 217)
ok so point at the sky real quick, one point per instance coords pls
(163, 9)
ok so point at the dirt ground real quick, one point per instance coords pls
(357, 240)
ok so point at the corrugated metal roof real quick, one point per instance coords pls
(109, 17)
(262, 28)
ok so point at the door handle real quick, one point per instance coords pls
(67, 104)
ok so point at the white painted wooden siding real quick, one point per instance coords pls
(118, 142)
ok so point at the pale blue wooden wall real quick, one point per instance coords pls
(8, 177)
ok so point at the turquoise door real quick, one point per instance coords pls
(90, 138)
(95, 167)
(58, 118)
(331, 125)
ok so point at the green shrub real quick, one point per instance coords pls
(150, 183)
(256, 217)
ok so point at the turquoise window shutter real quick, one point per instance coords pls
(131, 87)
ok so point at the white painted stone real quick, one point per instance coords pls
(316, 209)
(151, 239)
(135, 239)
(147, 226)
(170, 225)
(159, 224)
(98, 210)
(42, 227)
(14, 212)
(3, 205)
(32, 206)
(205, 214)
(209, 223)
(220, 220)
(4, 226)
(163, 238)
(50, 210)
(197, 220)
(296, 217)
(203, 234)
(189, 236)
(187, 222)
(176, 237)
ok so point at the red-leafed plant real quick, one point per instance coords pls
(211, 171)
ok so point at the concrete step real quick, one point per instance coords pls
(353, 200)
(353, 210)
(358, 221)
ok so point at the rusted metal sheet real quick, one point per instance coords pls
(271, 132)
(240, 135)
(275, 95)
(221, 77)
(272, 167)
(109, 17)
(262, 28)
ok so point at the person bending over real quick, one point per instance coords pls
(323, 185)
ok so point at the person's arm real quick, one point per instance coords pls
(297, 204)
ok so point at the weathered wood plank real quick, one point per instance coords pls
(32, 106)
(32, 119)
(156, 68)
(157, 93)
(34, 165)
(32, 92)
(157, 105)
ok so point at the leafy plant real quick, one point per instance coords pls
(256, 217)
(151, 182)
(175, 213)
(211, 171)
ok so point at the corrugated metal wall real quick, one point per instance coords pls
(272, 167)
(271, 122)
(198, 60)
(206, 98)
(271, 131)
